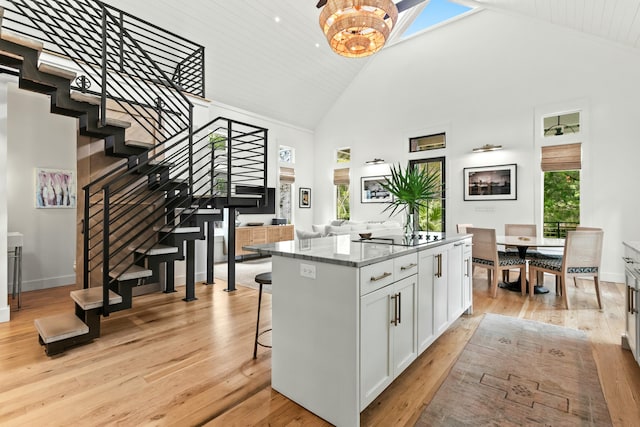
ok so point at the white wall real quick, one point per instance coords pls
(37, 138)
(483, 78)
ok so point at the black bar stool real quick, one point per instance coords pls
(261, 279)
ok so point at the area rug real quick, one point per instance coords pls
(517, 372)
(246, 272)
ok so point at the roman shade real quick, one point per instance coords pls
(287, 175)
(341, 176)
(561, 157)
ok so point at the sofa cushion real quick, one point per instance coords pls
(335, 230)
(303, 234)
(320, 228)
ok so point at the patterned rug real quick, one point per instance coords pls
(517, 372)
(246, 272)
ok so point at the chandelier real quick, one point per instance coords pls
(357, 28)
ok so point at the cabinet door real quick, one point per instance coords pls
(286, 233)
(455, 255)
(403, 314)
(376, 369)
(426, 272)
(243, 238)
(258, 235)
(273, 234)
(440, 305)
(632, 316)
(467, 284)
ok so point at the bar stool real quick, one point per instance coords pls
(14, 250)
(261, 279)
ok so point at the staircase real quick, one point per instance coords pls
(167, 189)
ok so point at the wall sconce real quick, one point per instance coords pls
(487, 147)
(375, 161)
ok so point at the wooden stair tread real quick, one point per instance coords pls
(60, 327)
(116, 123)
(85, 97)
(22, 41)
(139, 144)
(131, 272)
(155, 249)
(57, 71)
(11, 55)
(179, 230)
(92, 298)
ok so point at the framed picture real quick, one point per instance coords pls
(490, 183)
(305, 197)
(372, 191)
(55, 188)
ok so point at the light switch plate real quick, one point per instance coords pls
(308, 270)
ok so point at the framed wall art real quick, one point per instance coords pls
(491, 183)
(372, 190)
(55, 188)
(305, 197)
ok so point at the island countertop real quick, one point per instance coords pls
(344, 250)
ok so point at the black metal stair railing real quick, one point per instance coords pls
(141, 67)
(222, 163)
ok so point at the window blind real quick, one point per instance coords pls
(287, 175)
(341, 176)
(561, 157)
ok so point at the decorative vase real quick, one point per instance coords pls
(409, 226)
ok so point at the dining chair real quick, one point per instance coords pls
(485, 254)
(525, 230)
(462, 228)
(581, 257)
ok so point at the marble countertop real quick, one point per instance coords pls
(633, 245)
(342, 250)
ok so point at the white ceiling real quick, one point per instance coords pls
(286, 71)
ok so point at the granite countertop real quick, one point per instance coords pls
(342, 250)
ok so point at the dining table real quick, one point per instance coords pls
(522, 244)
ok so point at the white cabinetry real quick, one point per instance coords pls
(388, 326)
(631, 337)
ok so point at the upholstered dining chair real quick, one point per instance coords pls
(525, 230)
(484, 253)
(581, 257)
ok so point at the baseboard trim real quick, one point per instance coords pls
(5, 314)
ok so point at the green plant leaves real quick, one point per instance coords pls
(411, 187)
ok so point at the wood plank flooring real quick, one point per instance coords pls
(167, 362)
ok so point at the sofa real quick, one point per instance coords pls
(340, 227)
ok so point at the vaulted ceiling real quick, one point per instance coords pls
(271, 58)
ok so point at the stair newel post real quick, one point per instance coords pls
(85, 238)
(190, 128)
(103, 89)
(231, 250)
(105, 251)
(264, 170)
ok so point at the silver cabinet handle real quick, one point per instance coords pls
(466, 267)
(399, 299)
(458, 244)
(382, 276)
(394, 299)
(408, 267)
(439, 269)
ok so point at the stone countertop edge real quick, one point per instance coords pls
(633, 245)
(270, 249)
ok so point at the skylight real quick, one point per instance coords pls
(436, 12)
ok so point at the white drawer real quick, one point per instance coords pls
(376, 276)
(405, 266)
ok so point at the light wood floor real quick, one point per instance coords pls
(167, 362)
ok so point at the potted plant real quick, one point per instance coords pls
(412, 188)
(217, 141)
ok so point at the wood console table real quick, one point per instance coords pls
(255, 235)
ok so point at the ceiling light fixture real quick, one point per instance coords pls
(357, 28)
(487, 147)
(375, 161)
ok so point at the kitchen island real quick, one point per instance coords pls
(350, 315)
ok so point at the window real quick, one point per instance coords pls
(561, 166)
(561, 124)
(343, 155)
(287, 178)
(432, 216)
(341, 182)
(428, 142)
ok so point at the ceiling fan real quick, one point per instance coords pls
(401, 5)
